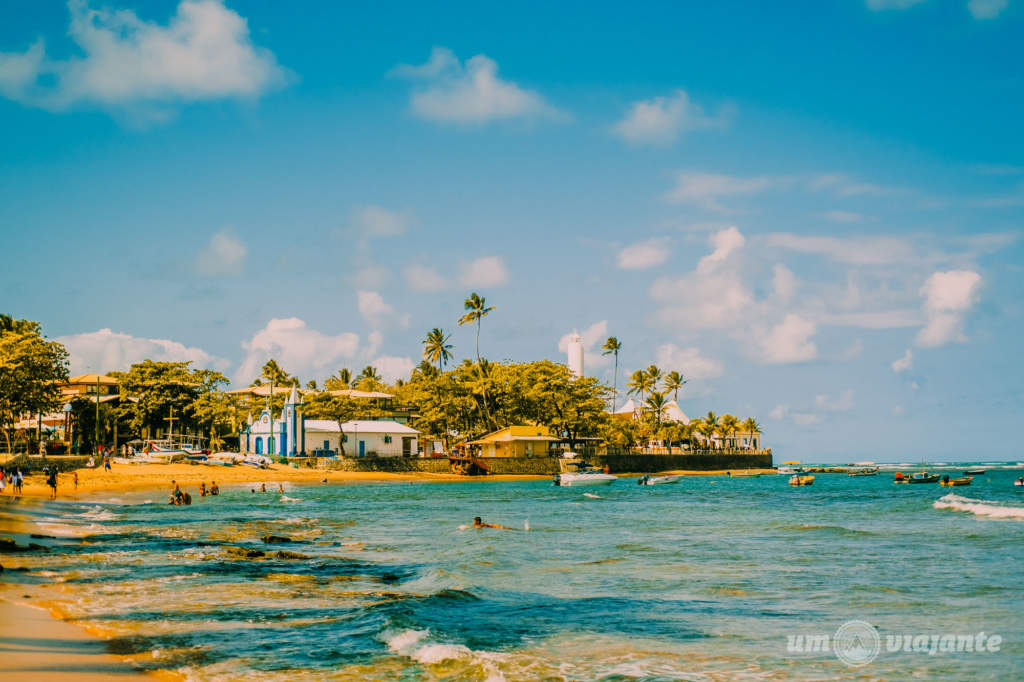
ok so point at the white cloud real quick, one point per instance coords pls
(849, 250)
(779, 411)
(784, 282)
(881, 319)
(590, 337)
(393, 368)
(844, 403)
(790, 341)
(488, 271)
(660, 120)
(854, 350)
(644, 255)
(469, 93)
(711, 297)
(879, 5)
(948, 298)
(370, 275)
(300, 350)
(424, 278)
(106, 351)
(204, 52)
(224, 255)
(687, 361)
(904, 363)
(706, 189)
(807, 418)
(375, 221)
(987, 9)
(377, 313)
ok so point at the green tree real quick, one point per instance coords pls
(476, 310)
(656, 405)
(673, 382)
(640, 384)
(752, 428)
(31, 371)
(339, 381)
(654, 376)
(369, 379)
(709, 427)
(729, 425)
(340, 408)
(612, 346)
(273, 374)
(436, 348)
(151, 390)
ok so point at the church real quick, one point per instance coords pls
(296, 436)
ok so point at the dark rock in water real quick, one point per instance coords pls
(1, 568)
(289, 555)
(8, 545)
(276, 539)
(34, 547)
(245, 552)
(39, 536)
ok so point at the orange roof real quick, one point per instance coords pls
(93, 379)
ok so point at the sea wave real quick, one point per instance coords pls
(989, 508)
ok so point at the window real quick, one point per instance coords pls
(344, 438)
(387, 439)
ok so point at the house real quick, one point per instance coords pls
(516, 441)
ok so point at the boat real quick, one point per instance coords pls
(797, 479)
(973, 472)
(865, 472)
(949, 482)
(658, 480)
(584, 475)
(1019, 483)
(789, 468)
(233, 458)
(744, 474)
(924, 477)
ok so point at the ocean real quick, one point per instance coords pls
(711, 578)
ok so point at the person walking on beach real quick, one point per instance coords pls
(106, 464)
(74, 477)
(19, 478)
(51, 482)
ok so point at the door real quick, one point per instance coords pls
(259, 446)
(362, 448)
(406, 446)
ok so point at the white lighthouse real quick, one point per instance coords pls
(575, 352)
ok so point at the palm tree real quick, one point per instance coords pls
(477, 308)
(730, 425)
(708, 426)
(656, 403)
(612, 346)
(436, 347)
(369, 378)
(751, 426)
(639, 383)
(673, 382)
(655, 375)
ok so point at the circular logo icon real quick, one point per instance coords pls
(856, 643)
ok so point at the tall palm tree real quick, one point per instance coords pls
(709, 426)
(436, 348)
(476, 309)
(751, 426)
(673, 382)
(729, 426)
(612, 347)
(639, 383)
(655, 375)
(656, 403)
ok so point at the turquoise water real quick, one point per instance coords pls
(701, 580)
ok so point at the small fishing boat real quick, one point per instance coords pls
(797, 479)
(583, 476)
(1019, 483)
(789, 468)
(950, 482)
(924, 477)
(973, 472)
(658, 480)
(864, 472)
(744, 474)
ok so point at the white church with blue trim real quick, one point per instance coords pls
(296, 436)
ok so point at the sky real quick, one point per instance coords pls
(813, 210)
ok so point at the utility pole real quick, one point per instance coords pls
(97, 412)
(272, 418)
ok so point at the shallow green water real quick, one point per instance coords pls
(705, 579)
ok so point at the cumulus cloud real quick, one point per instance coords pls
(842, 403)
(300, 350)
(375, 221)
(949, 296)
(424, 278)
(849, 250)
(707, 189)
(784, 282)
(107, 351)
(377, 313)
(393, 368)
(488, 271)
(687, 361)
(779, 411)
(592, 338)
(711, 297)
(904, 363)
(987, 9)
(644, 255)
(660, 120)
(224, 255)
(470, 92)
(204, 52)
(790, 341)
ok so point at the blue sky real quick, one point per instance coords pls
(813, 211)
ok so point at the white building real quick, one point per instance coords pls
(575, 353)
(294, 435)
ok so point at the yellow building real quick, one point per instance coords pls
(516, 441)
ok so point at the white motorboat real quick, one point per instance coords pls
(584, 475)
(658, 480)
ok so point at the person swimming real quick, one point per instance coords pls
(214, 488)
(478, 523)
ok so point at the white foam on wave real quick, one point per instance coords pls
(401, 641)
(410, 643)
(988, 508)
(285, 498)
(593, 496)
(98, 514)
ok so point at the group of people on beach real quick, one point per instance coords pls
(180, 497)
(263, 488)
(13, 478)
